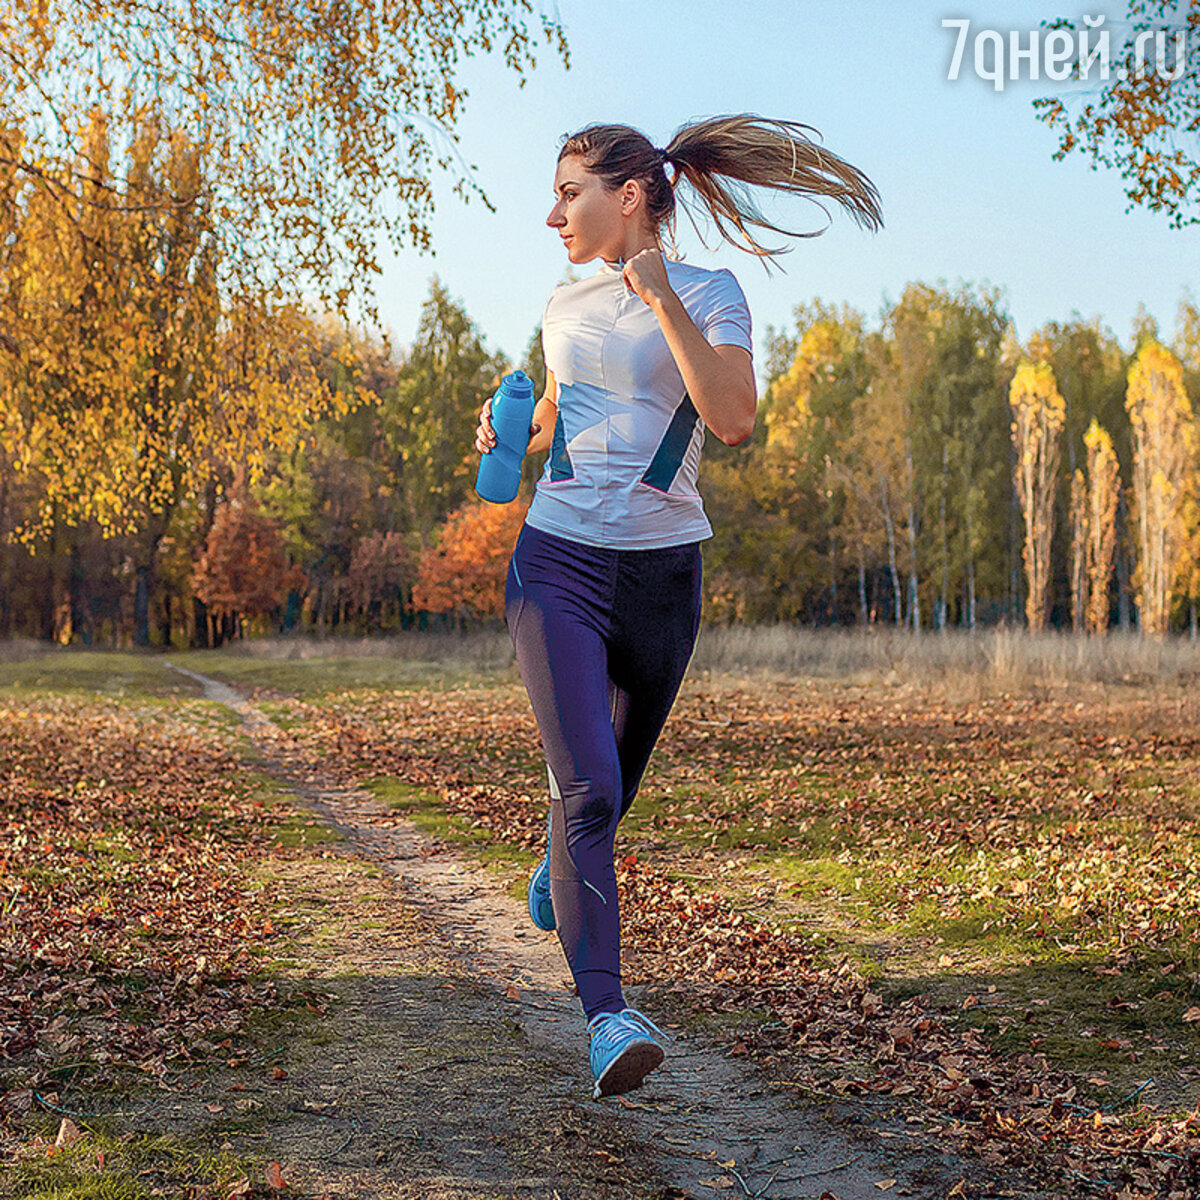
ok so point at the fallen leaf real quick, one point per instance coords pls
(884, 1184)
(1192, 1014)
(274, 1176)
(68, 1133)
(511, 992)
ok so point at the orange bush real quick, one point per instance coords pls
(243, 568)
(465, 571)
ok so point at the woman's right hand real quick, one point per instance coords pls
(485, 435)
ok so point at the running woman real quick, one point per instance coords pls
(604, 585)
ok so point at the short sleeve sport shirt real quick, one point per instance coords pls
(627, 439)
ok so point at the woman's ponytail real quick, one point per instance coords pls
(721, 159)
(755, 151)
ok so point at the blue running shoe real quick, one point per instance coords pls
(623, 1050)
(541, 907)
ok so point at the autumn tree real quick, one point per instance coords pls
(177, 176)
(126, 382)
(1094, 493)
(960, 449)
(243, 570)
(1038, 415)
(900, 437)
(1089, 372)
(881, 456)
(1190, 584)
(324, 499)
(306, 118)
(1164, 470)
(1101, 493)
(807, 415)
(765, 560)
(1137, 118)
(465, 571)
(1079, 546)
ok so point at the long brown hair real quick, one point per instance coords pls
(721, 159)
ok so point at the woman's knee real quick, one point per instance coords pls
(591, 803)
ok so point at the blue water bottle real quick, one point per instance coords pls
(512, 414)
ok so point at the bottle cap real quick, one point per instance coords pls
(518, 384)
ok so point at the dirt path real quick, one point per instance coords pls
(463, 1070)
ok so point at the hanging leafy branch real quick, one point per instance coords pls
(1145, 114)
(317, 124)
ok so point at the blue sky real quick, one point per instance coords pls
(969, 189)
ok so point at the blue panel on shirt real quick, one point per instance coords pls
(560, 460)
(669, 456)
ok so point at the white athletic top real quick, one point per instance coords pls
(627, 440)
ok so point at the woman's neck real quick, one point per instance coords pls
(634, 244)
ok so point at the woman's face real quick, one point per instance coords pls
(586, 214)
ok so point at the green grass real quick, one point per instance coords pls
(145, 673)
(118, 674)
(294, 825)
(133, 1169)
(314, 678)
(1090, 1012)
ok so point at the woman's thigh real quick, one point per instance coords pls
(556, 604)
(657, 618)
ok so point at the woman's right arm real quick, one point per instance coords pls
(545, 414)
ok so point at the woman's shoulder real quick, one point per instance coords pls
(692, 271)
(703, 289)
(718, 281)
(714, 299)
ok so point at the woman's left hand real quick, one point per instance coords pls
(646, 275)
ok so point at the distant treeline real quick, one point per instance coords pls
(929, 472)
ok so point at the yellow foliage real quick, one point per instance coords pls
(1094, 498)
(126, 379)
(1164, 481)
(318, 126)
(1039, 414)
(789, 409)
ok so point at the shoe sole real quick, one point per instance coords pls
(629, 1068)
(542, 866)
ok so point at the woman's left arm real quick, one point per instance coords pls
(719, 379)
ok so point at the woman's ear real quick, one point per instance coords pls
(631, 193)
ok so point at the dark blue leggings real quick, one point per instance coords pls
(602, 639)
